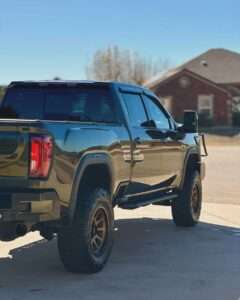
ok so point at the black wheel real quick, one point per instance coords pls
(85, 246)
(186, 209)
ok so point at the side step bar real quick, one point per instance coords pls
(132, 204)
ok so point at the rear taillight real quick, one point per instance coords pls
(40, 156)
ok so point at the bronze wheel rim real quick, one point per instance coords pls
(99, 232)
(195, 201)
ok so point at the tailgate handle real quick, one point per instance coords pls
(17, 152)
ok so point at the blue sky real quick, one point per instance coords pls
(40, 39)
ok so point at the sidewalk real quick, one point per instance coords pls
(214, 213)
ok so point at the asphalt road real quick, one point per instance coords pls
(152, 259)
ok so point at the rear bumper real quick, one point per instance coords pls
(32, 206)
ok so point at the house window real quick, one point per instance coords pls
(205, 105)
(167, 103)
(236, 103)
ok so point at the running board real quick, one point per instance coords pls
(132, 204)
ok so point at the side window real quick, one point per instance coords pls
(156, 113)
(136, 112)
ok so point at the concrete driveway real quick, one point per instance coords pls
(152, 259)
(222, 184)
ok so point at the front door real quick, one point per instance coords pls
(170, 149)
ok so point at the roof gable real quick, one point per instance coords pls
(220, 66)
(181, 72)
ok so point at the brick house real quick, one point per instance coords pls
(209, 84)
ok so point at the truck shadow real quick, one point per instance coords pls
(153, 247)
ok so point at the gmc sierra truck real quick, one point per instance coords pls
(70, 151)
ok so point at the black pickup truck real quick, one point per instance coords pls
(70, 151)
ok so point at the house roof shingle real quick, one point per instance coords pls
(217, 65)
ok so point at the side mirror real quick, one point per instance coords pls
(190, 124)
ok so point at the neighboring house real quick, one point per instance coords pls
(209, 83)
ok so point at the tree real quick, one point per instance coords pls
(124, 65)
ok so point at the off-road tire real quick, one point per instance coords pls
(186, 209)
(75, 242)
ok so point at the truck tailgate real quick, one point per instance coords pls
(14, 146)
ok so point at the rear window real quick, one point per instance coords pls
(22, 103)
(93, 104)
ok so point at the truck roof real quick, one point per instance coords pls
(71, 83)
(126, 87)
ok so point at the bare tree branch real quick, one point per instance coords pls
(124, 65)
